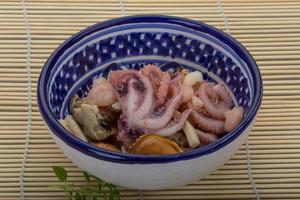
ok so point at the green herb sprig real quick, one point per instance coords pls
(93, 188)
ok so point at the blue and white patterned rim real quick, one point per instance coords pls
(235, 48)
(128, 28)
(86, 76)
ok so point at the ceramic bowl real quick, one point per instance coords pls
(131, 42)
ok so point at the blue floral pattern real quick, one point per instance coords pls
(146, 47)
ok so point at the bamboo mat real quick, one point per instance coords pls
(270, 29)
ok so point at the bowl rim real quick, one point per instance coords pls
(102, 154)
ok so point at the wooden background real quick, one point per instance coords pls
(270, 29)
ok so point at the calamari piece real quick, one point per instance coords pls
(102, 94)
(206, 138)
(187, 93)
(191, 135)
(70, 124)
(208, 124)
(174, 127)
(92, 121)
(233, 118)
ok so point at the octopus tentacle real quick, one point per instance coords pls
(211, 93)
(124, 131)
(160, 81)
(133, 91)
(120, 77)
(149, 100)
(174, 127)
(119, 80)
(153, 73)
(224, 95)
(217, 111)
(147, 105)
(208, 124)
(131, 103)
(162, 93)
(175, 85)
(162, 120)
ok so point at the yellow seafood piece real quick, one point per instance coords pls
(152, 144)
(107, 146)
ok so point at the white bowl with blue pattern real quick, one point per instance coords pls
(132, 42)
